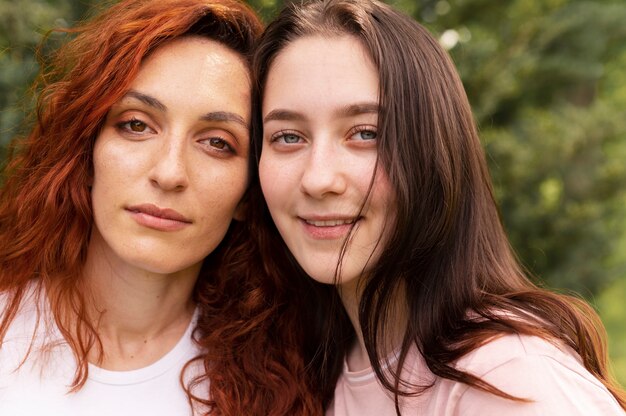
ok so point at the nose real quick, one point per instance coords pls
(169, 170)
(324, 170)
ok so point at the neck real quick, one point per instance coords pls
(138, 315)
(357, 358)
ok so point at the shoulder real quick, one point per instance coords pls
(33, 305)
(27, 313)
(29, 329)
(550, 375)
(514, 347)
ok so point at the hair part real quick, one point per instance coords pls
(448, 253)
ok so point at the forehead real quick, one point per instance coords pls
(196, 54)
(336, 68)
(195, 72)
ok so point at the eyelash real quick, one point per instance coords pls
(364, 128)
(226, 149)
(124, 126)
(353, 131)
(282, 134)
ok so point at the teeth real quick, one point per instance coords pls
(329, 223)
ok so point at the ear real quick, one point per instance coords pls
(241, 208)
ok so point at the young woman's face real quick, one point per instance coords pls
(319, 156)
(170, 164)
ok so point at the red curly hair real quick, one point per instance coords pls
(252, 344)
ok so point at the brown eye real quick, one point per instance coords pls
(137, 126)
(217, 143)
(134, 128)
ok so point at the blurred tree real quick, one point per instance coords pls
(613, 308)
(546, 82)
(22, 27)
(266, 8)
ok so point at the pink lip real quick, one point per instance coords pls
(337, 217)
(328, 232)
(162, 219)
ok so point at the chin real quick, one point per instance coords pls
(326, 277)
(159, 266)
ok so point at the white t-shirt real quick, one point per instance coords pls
(42, 389)
(523, 366)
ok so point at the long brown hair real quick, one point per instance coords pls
(447, 253)
(250, 354)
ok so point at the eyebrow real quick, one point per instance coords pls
(283, 115)
(347, 111)
(224, 116)
(146, 99)
(359, 108)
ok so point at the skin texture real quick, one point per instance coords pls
(319, 155)
(173, 158)
(178, 140)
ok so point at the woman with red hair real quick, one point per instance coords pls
(122, 285)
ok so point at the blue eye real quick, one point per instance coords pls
(287, 138)
(363, 133)
(290, 138)
(367, 135)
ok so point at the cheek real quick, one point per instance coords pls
(384, 198)
(272, 182)
(361, 171)
(382, 185)
(114, 163)
(103, 170)
(219, 192)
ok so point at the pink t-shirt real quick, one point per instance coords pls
(523, 366)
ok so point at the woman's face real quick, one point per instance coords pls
(320, 115)
(170, 164)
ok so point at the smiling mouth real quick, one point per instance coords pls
(328, 229)
(330, 223)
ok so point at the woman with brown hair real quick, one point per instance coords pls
(124, 287)
(374, 176)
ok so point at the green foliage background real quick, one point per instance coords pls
(547, 82)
